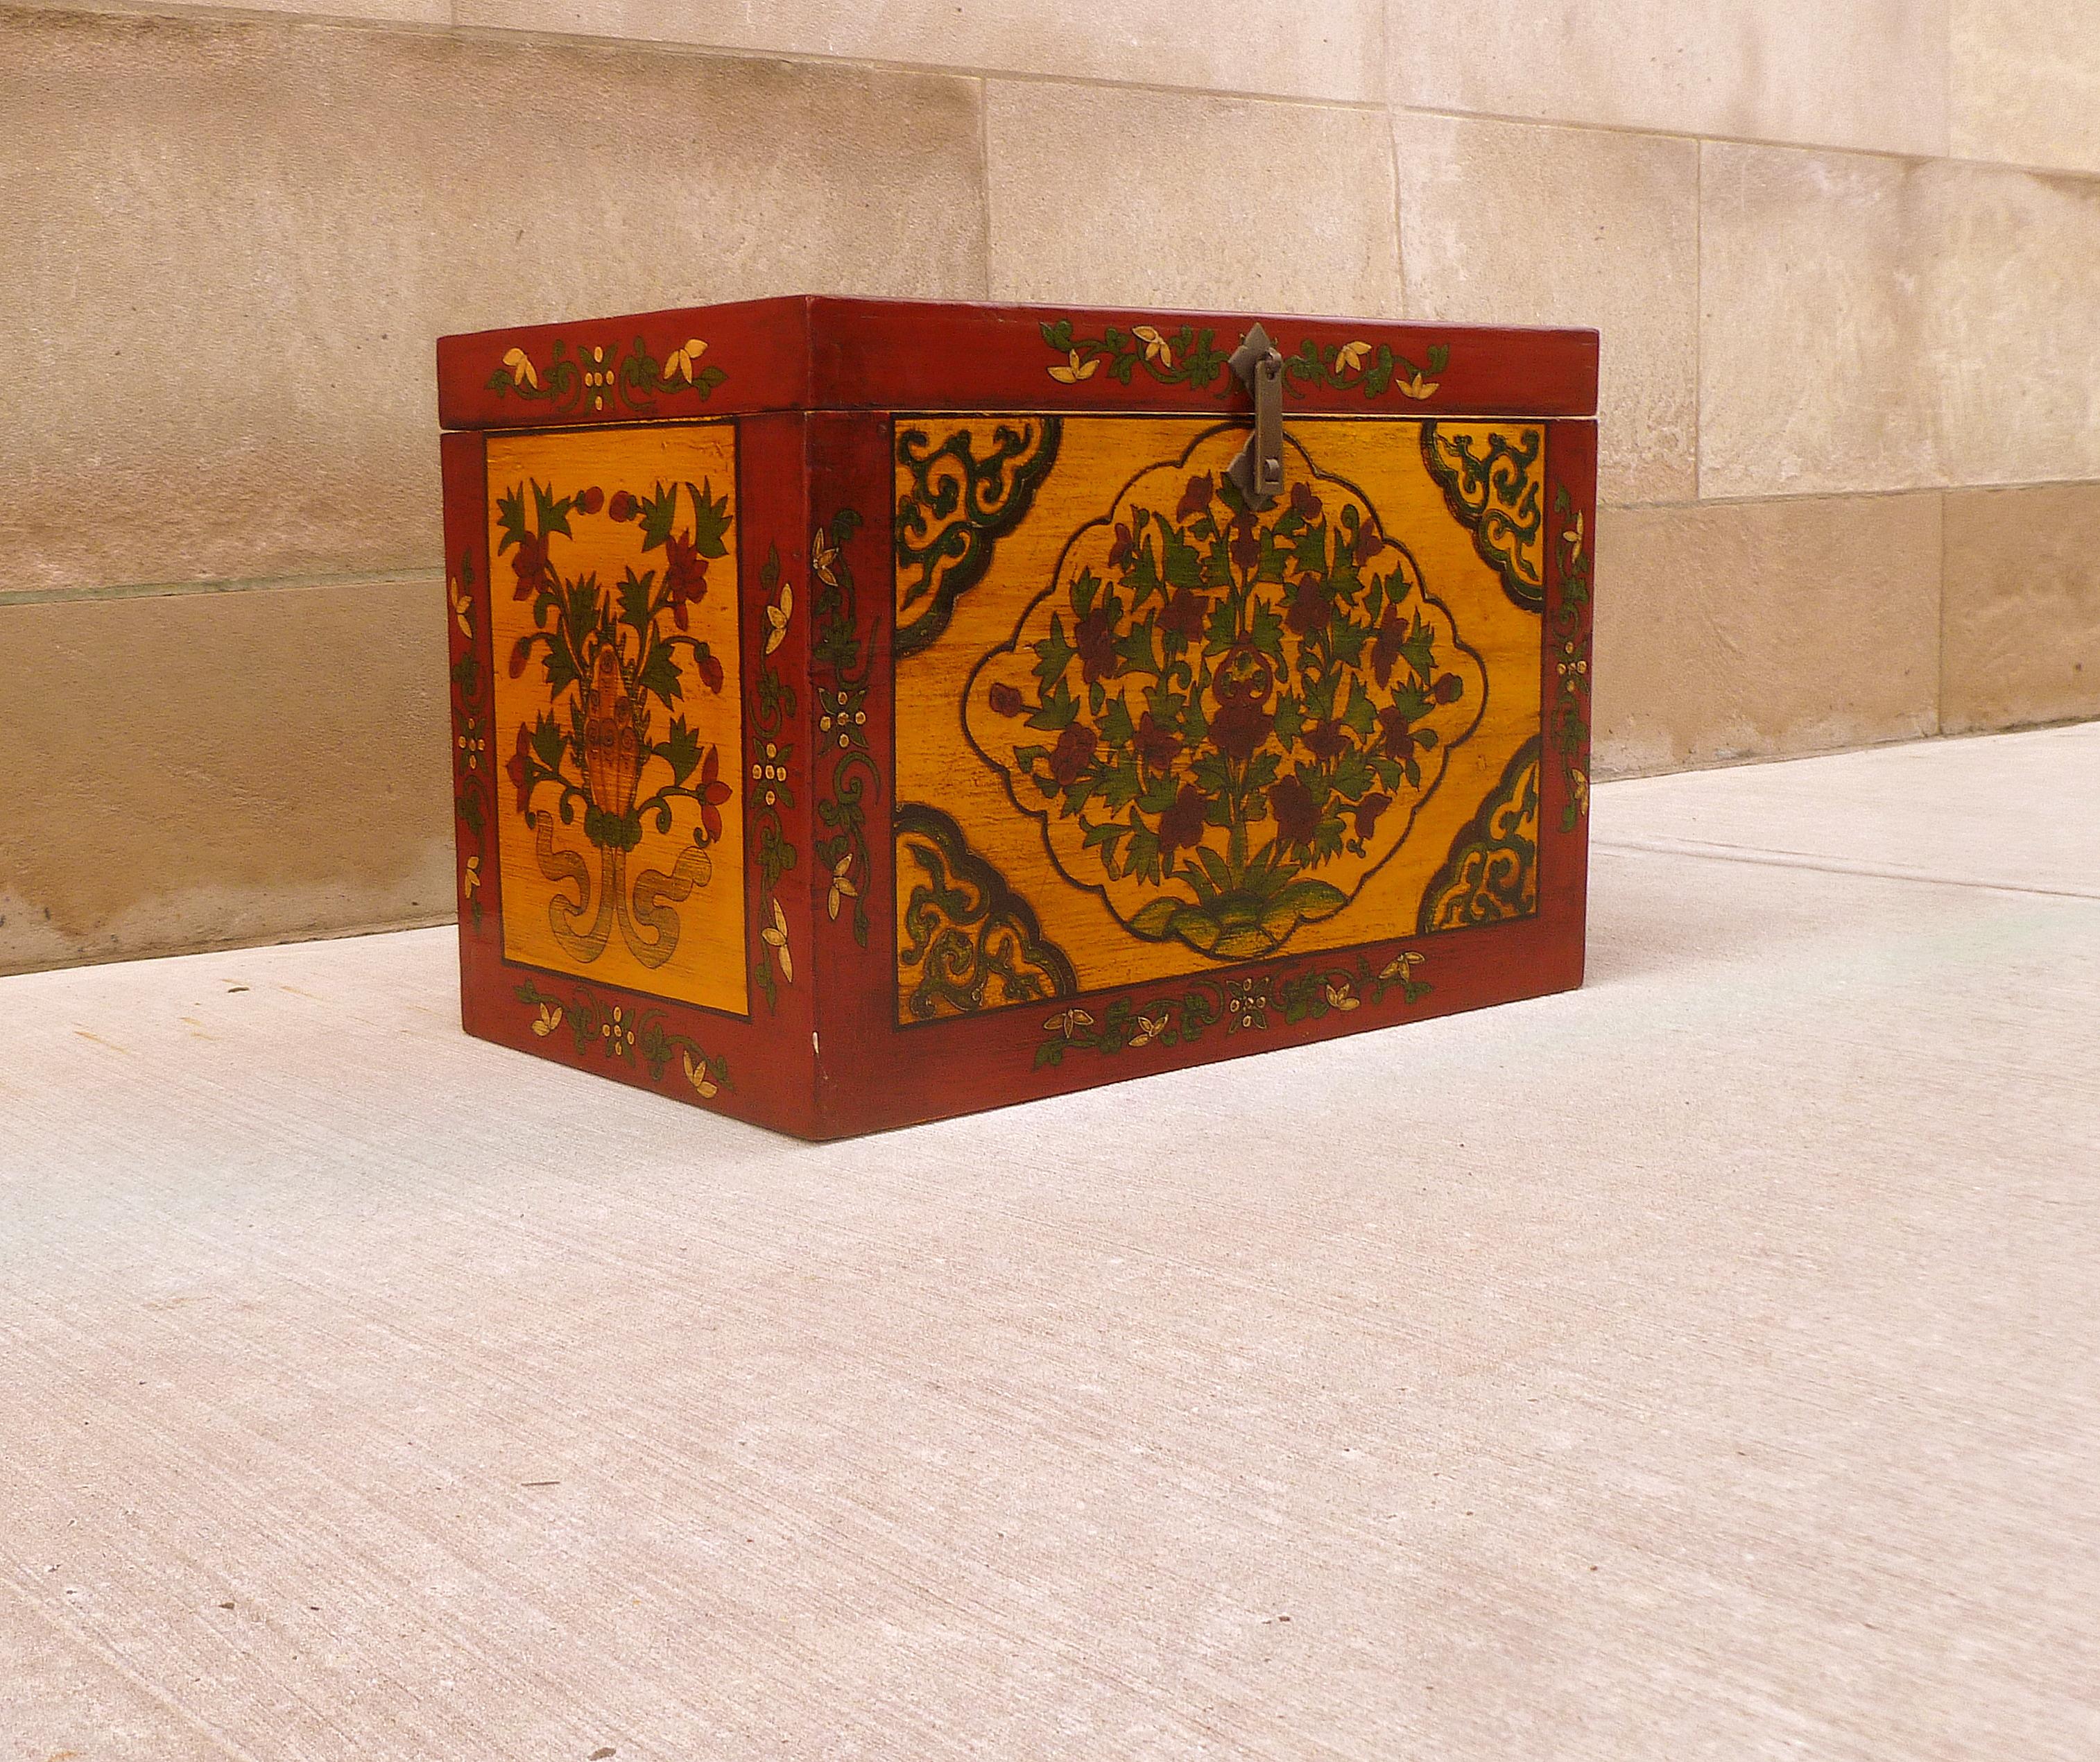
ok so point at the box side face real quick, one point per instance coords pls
(1170, 778)
(624, 683)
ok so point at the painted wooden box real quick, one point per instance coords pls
(867, 711)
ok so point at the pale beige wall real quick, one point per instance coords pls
(1846, 257)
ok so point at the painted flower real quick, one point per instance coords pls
(1240, 725)
(529, 563)
(710, 792)
(1402, 966)
(520, 369)
(1573, 536)
(1449, 688)
(682, 361)
(1005, 700)
(1296, 813)
(842, 884)
(621, 507)
(1072, 369)
(1148, 1029)
(1156, 746)
(550, 1019)
(462, 608)
(591, 500)
(1369, 542)
(471, 878)
(1124, 550)
(1155, 345)
(1181, 826)
(698, 1074)
(1578, 786)
(1069, 1022)
(1385, 646)
(1186, 613)
(1074, 753)
(1094, 637)
(1303, 503)
(1368, 810)
(1245, 544)
(519, 769)
(1341, 995)
(1195, 497)
(777, 616)
(1311, 607)
(1350, 357)
(774, 936)
(685, 577)
(1327, 740)
(617, 1031)
(1414, 386)
(824, 558)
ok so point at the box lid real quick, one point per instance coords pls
(814, 351)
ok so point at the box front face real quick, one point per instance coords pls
(1144, 733)
(619, 707)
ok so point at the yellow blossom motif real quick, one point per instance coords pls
(1416, 387)
(682, 361)
(1351, 355)
(1579, 785)
(1068, 1022)
(1342, 996)
(1156, 347)
(1573, 536)
(1402, 966)
(1149, 1028)
(774, 936)
(520, 369)
(823, 558)
(697, 1075)
(777, 616)
(549, 1020)
(472, 878)
(1071, 371)
(619, 1030)
(842, 886)
(463, 607)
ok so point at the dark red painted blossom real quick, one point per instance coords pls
(1094, 637)
(1246, 543)
(1369, 542)
(520, 653)
(1326, 741)
(711, 792)
(1123, 549)
(1385, 646)
(529, 563)
(1186, 613)
(685, 577)
(1074, 753)
(711, 671)
(1312, 607)
(1303, 503)
(591, 500)
(1397, 733)
(621, 507)
(1005, 700)
(1449, 689)
(1239, 727)
(1368, 811)
(1181, 826)
(1295, 812)
(519, 770)
(1156, 746)
(1195, 498)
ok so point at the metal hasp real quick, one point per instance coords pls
(1258, 472)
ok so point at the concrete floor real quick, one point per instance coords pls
(1700, 1366)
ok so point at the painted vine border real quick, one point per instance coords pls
(625, 1035)
(472, 718)
(1192, 357)
(1571, 710)
(1244, 1003)
(636, 379)
(840, 666)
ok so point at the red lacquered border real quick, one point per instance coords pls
(819, 353)
(873, 1075)
(760, 1067)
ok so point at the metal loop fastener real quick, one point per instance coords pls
(1258, 470)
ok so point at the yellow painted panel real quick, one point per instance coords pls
(619, 707)
(1139, 655)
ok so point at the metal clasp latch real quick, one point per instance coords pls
(1257, 471)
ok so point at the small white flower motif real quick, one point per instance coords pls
(618, 1032)
(842, 885)
(1342, 996)
(824, 558)
(1149, 1028)
(682, 361)
(549, 1020)
(774, 936)
(1068, 1022)
(520, 369)
(777, 616)
(697, 1075)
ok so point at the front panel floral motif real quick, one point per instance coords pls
(618, 712)
(1225, 719)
